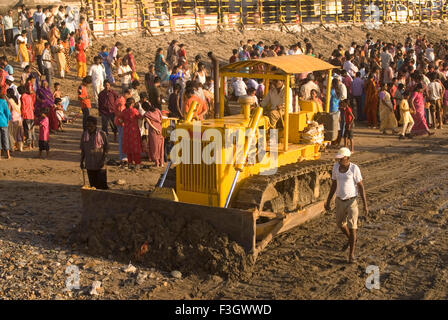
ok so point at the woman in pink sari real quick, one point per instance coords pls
(418, 101)
(153, 118)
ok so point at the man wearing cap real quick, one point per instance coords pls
(347, 180)
(10, 85)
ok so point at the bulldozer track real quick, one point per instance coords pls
(292, 187)
(259, 189)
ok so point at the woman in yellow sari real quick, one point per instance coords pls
(60, 58)
(387, 116)
(22, 51)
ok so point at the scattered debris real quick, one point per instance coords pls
(176, 274)
(141, 277)
(130, 269)
(96, 285)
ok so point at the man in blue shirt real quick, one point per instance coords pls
(8, 68)
(5, 117)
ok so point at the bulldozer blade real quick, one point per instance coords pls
(164, 193)
(104, 208)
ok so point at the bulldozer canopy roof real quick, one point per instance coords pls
(288, 64)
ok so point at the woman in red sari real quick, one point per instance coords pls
(153, 118)
(132, 146)
(371, 106)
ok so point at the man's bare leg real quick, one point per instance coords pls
(434, 119)
(345, 231)
(352, 241)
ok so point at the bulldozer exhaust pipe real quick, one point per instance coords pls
(215, 65)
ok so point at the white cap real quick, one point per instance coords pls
(10, 78)
(343, 152)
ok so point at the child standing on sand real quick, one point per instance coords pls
(71, 43)
(57, 93)
(349, 124)
(84, 99)
(44, 135)
(59, 113)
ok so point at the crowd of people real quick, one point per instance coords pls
(382, 83)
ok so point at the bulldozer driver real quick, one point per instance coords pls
(274, 103)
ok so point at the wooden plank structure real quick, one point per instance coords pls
(161, 16)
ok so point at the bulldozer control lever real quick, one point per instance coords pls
(193, 109)
(239, 167)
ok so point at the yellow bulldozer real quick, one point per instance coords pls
(235, 172)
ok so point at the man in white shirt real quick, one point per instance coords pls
(347, 181)
(429, 53)
(70, 21)
(435, 94)
(10, 83)
(46, 62)
(351, 50)
(8, 26)
(39, 19)
(343, 90)
(60, 16)
(239, 88)
(276, 100)
(98, 74)
(350, 67)
(45, 30)
(305, 90)
(125, 74)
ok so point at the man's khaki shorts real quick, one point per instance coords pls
(347, 213)
(436, 105)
